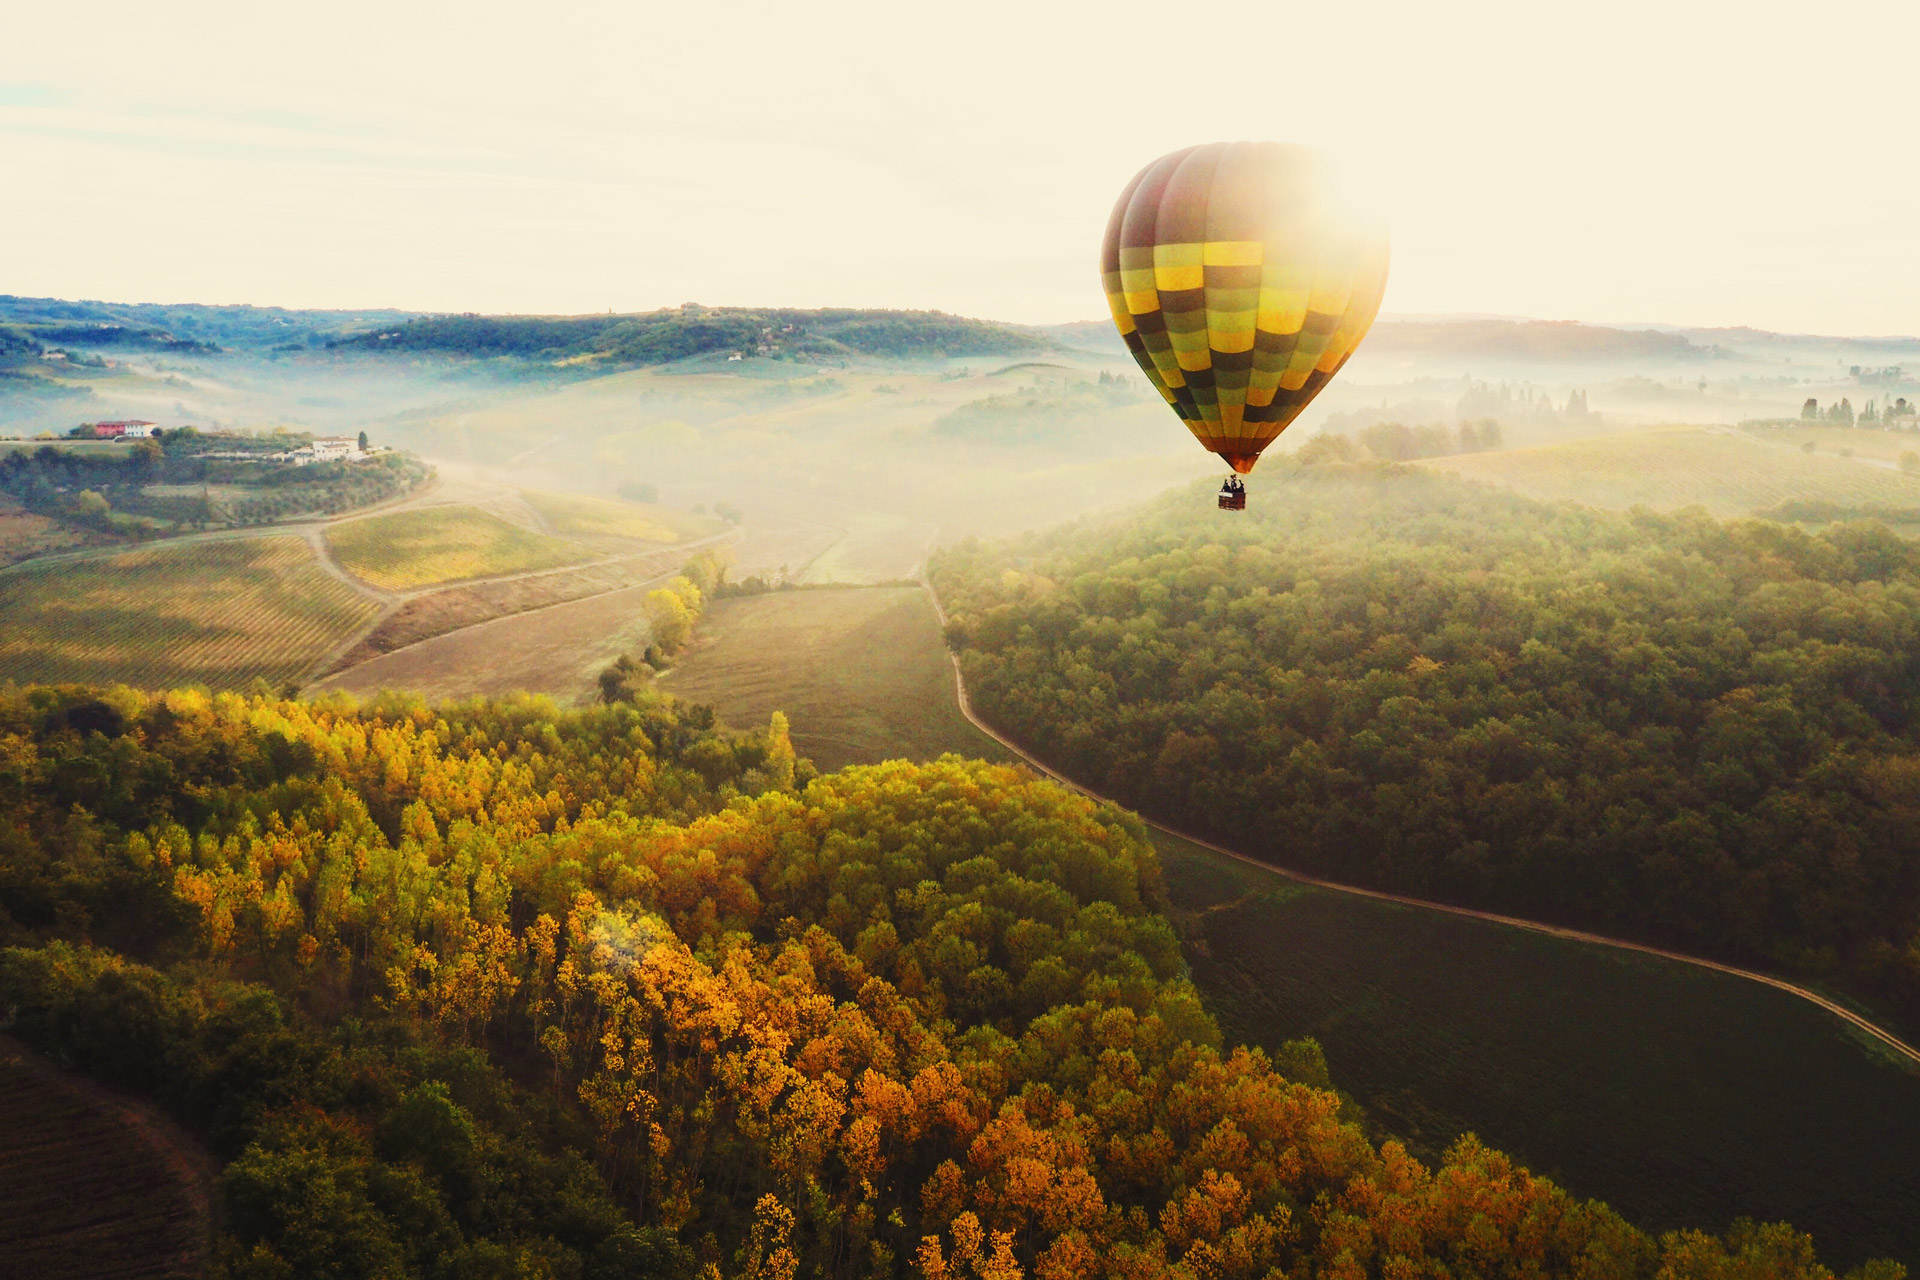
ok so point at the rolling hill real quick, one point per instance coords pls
(660, 337)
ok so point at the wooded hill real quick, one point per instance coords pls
(494, 990)
(658, 337)
(184, 327)
(1696, 732)
(88, 488)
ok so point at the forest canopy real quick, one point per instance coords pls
(1700, 732)
(492, 989)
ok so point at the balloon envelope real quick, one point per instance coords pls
(1241, 283)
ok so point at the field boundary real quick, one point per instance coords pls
(1859, 1023)
(315, 682)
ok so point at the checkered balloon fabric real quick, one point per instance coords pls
(1241, 285)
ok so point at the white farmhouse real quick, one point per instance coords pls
(334, 448)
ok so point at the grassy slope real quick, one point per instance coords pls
(1729, 474)
(861, 673)
(1862, 442)
(213, 613)
(443, 544)
(1681, 1096)
(578, 515)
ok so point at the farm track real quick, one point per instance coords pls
(1884, 1037)
(93, 1185)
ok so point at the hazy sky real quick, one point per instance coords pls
(1714, 163)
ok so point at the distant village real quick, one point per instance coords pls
(322, 448)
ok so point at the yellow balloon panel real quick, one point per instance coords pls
(1241, 285)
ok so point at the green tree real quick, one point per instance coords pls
(669, 618)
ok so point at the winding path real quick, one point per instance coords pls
(1878, 1033)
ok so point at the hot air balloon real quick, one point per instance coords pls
(1241, 281)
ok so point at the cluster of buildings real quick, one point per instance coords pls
(322, 449)
(332, 449)
(126, 429)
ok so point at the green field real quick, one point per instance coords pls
(432, 545)
(1678, 1095)
(108, 448)
(861, 673)
(1729, 473)
(578, 515)
(218, 613)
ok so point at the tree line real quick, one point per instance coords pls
(1696, 732)
(494, 989)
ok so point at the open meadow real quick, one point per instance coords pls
(1658, 1087)
(219, 613)
(427, 546)
(1727, 472)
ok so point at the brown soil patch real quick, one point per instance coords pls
(94, 1185)
(23, 534)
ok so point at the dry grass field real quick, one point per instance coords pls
(579, 515)
(862, 673)
(217, 613)
(431, 545)
(1729, 473)
(558, 651)
(24, 534)
(1855, 442)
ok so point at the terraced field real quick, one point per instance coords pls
(216, 613)
(1729, 474)
(578, 515)
(432, 545)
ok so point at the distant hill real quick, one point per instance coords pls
(1469, 338)
(660, 337)
(183, 327)
(1097, 336)
(1545, 341)
(670, 334)
(1744, 336)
